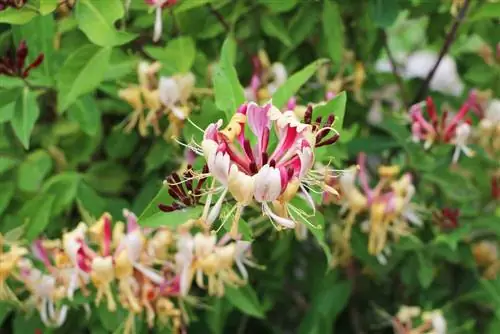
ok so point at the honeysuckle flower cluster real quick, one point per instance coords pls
(489, 129)
(166, 96)
(159, 6)
(411, 320)
(15, 65)
(147, 272)
(445, 128)
(263, 158)
(388, 206)
(266, 78)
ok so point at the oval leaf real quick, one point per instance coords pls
(81, 73)
(334, 31)
(26, 113)
(96, 19)
(293, 84)
(228, 91)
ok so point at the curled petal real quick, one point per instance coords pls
(285, 222)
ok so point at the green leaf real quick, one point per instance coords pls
(25, 115)
(333, 30)
(111, 321)
(7, 163)
(326, 305)
(245, 299)
(384, 12)
(188, 5)
(17, 16)
(293, 84)
(162, 197)
(91, 203)
(120, 144)
(107, 177)
(48, 6)
(336, 106)
(229, 94)
(64, 187)
(8, 188)
(33, 170)
(41, 209)
(315, 224)
(39, 36)
(96, 19)
(5, 310)
(426, 270)
(28, 323)
(274, 27)
(8, 96)
(216, 317)
(171, 219)
(279, 6)
(488, 10)
(177, 56)
(86, 113)
(302, 24)
(120, 65)
(81, 73)
(454, 185)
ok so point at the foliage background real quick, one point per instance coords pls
(64, 155)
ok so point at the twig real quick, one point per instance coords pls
(226, 26)
(450, 37)
(394, 69)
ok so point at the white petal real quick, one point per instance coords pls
(267, 184)
(285, 222)
(168, 91)
(214, 213)
(158, 29)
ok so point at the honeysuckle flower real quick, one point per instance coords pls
(486, 256)
(174, 93)
(202, 256)
(144, 95)
(44, 293)
(432, 322)
(270, 176)
(437, 320)
(150, 269)
(488, 131)
(159, 5)
(388, 205)
(8, 263)
(443, 129)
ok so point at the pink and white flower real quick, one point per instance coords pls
(245, 162)
(443, 129)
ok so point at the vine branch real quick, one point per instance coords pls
(450, 37)
(394, 69)
(227, 27)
